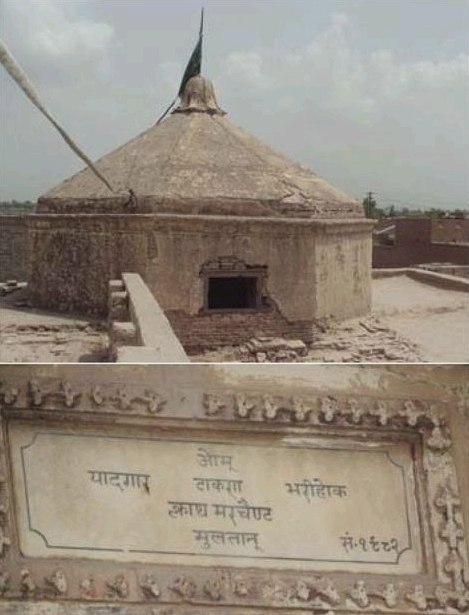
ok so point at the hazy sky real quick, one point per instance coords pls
(371, 94)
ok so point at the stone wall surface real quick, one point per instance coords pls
(13, 248)
(411, 422)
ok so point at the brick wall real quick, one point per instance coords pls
(416, 244)
(13, 248)
(207, 331)
(450, 230)
(457, 254)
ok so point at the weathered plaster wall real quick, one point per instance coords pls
(13, 248)
(343, 273)
(185, 245)
(76, 255)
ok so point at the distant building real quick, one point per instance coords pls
(402, 242)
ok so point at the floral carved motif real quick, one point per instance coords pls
(242, 587)
(213, 404)
(390, 595)
(417, 597)
(55, 395)
(150, 587)
(10, 396)
(27, 583)
(359, 594)
(323, 589)
(4, 582)
(332, 410)
(57, 583)
(70, 396)
(214, 589)
(183, 587)
(4, 542)
(243, 405)
(437, 440)
(118, 587)
(87, 588)
(447, 503)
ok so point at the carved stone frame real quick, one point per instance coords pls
(180, 590)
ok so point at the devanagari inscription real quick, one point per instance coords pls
(267, 502)
(120, 480)
(242, 511)
(218, 484)
(208, 539)
(370, 544)
(187, 509)
(310, 489)
(234, 512)
(206, 459)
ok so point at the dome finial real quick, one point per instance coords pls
(196, 92)
(199, 97)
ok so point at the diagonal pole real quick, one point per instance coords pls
(17, 73)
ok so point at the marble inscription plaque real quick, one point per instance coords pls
(301, 503)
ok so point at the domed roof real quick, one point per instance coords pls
(198, 162)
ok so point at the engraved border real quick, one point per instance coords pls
(383, 451)
(444, 590)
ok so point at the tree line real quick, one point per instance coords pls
(17, 207)
(372, 210)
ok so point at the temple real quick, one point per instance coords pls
(232, 238)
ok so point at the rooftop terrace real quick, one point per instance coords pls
(411, 320)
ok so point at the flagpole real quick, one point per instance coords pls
(194, 67)
(201, 34)
(165, 113)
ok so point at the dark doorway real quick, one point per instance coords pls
(232, 293)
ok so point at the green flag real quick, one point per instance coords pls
(194, 65)
(193, 68)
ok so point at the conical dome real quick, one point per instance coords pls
(198, 162)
